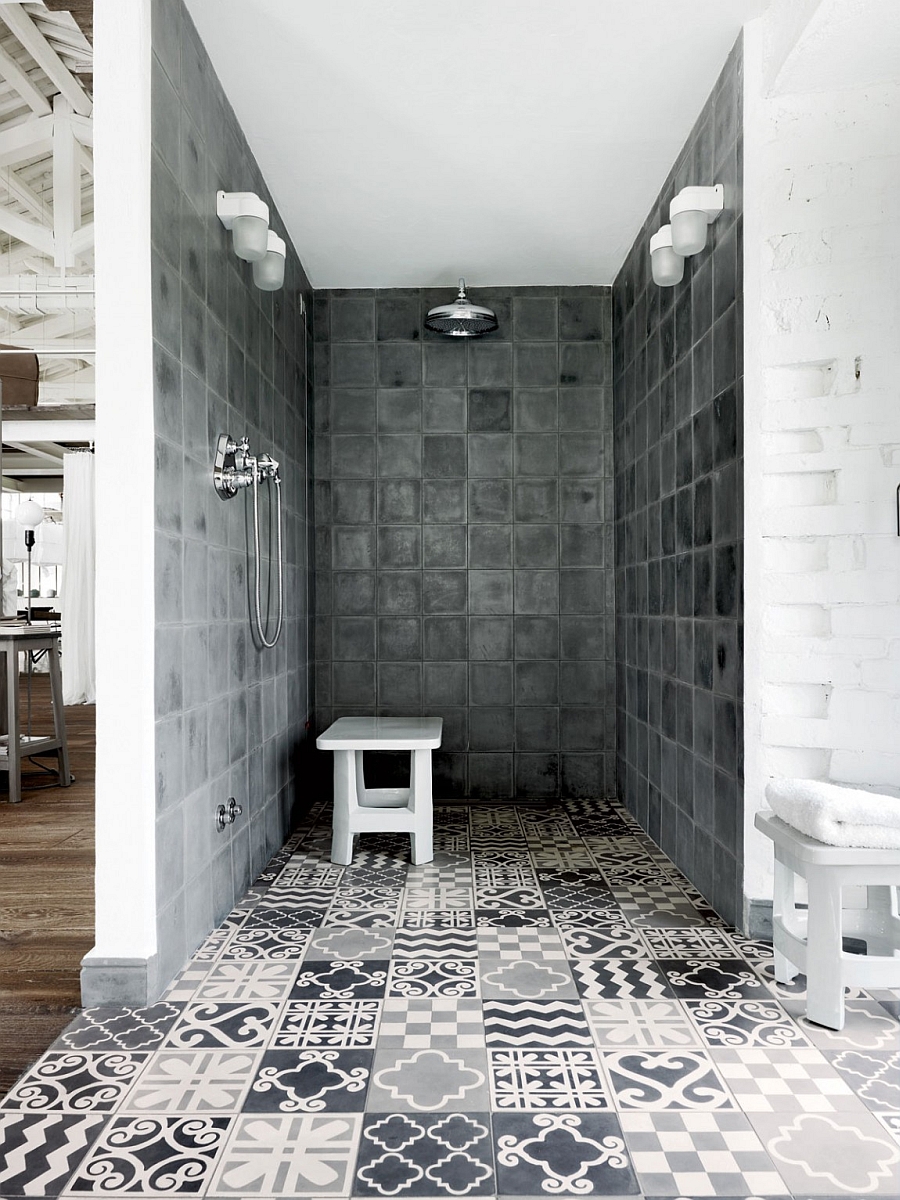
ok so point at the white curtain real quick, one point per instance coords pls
(78, 580)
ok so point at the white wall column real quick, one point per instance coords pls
(121, 965)
(822, 417)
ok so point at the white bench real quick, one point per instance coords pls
(811, 941)
(358, 809)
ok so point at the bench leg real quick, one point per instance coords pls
(782, 913)
(824, 978)
(344, 806)
(420, 803)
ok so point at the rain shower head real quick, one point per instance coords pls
(462, 318)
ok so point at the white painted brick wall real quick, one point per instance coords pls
(822, 431)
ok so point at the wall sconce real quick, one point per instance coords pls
(667, 266)
(248, 219)
(268, 272)
(692, 212)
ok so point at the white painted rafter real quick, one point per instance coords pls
(18, 79)
(21, 25)
(66, 185)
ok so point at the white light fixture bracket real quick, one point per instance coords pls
(240, 204)
(709, 200)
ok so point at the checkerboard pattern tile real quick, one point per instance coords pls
(556, 1013)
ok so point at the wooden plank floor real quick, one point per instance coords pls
(46, 894)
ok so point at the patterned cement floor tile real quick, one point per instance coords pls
(76, 1081)
(327, 1025)
(441, 1022)
(548, 1080)
(874, 1077)
(187, 1081)
(415, 1155)
(536, 1022)
(830, 1154)
(562, 1154)
(617, 1024)
(147, 1154)
(796, 1079)
(693, 1154)
(269, 1155)
(41, 1150)
(429, 1081)
(867, 1026)
(310, 1081)
(247, 981)
(665, 1079)
(745, 1023)
(347, 942)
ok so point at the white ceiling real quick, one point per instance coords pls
(513, 142)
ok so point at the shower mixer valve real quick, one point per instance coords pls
(235, 467)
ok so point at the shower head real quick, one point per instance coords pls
(462, 318)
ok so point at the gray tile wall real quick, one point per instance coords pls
(678, 360)
(230, 717)
(464, 533)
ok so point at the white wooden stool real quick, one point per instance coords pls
(810, 942)
(358, 809)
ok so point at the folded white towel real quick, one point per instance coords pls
(837, 815)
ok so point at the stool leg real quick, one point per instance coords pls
(824, 978)
(344, 806)
(420, 803)
(782, 914)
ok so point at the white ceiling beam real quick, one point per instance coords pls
(11, 485)
(82, 239)
(34, 235)
(17, 78)
(66, 184)
(27, 140)
(48, 450)
(21, 193)
(62, 347)
(17, 463)
(85, 158)
(56, 431)
(21, 25)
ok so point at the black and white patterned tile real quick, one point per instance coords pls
(76, 1081)
(435, 943)
(217, 1025)
(663, 1079)
(111, 1028)
(348, 942)
(411, 1154)
(341, 979)
(415, 978)
(526, 979)
(536, 1022)
(619, 979)
(548, 1080)
(562, 1154)
(247, 981)
(152, 1155)
(603, 941)
(736, 1023)
(41, 1150)
(873, 1077)
(278, 945)
(712, 979)
(310, 1081)
(442, 1022)
(327, 1025)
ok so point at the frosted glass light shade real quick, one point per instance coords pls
(250, 236)
(689, 231)
(691, 212)
(666, 266)
(268, 272)
(29, 514)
